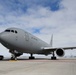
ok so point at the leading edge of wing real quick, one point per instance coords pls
(55, 48)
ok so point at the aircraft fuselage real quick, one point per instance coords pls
(22, 41)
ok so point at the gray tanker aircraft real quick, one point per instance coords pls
(19, 41)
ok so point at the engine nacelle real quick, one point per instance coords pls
(60, 52)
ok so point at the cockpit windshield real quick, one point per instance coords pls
(13, 31)
(7, 30)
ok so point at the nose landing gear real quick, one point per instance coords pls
(13, 57)
(15, 54)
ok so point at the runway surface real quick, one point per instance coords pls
(38, 67)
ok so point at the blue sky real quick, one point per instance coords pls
(23, 5)
(41, 18)
(18, 8)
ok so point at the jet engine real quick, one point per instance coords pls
(60, 52)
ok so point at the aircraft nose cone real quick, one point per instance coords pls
(3, 37)
(0, 37)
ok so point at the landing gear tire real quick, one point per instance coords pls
(31, 57)
(13, 57)
(1, 57)
(53, 58)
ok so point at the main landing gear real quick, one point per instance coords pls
(53, 57)
(31, 57)
(1, 57)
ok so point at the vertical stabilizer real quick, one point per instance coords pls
(51, 41)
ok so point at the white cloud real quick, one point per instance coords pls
(61, 23)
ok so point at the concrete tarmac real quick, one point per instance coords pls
(38, 67)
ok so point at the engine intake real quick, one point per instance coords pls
(60, 52)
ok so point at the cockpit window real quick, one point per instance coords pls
(7, 30)
(15, 31)
(12, 31)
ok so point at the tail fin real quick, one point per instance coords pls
(51, 42)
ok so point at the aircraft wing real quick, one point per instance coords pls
(55, 48)
(59, 50)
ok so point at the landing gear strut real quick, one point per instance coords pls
(15, 54)
(13, 57)
(53, 57)
(31, 57)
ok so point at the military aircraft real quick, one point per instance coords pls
(19, 41)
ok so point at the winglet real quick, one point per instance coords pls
(51, 42)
